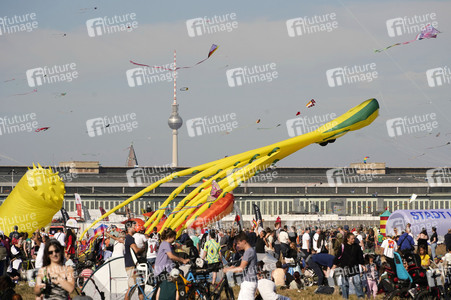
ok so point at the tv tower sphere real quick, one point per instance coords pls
(175, 121)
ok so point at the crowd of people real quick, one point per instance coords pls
(259, 259)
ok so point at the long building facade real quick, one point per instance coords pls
(277, 191)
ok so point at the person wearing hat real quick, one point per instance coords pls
(168, 289)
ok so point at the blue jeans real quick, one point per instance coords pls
(433, 247)
(357, 284)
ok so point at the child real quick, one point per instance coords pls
(425, 258)
(267, 288)
(371, 277)
(168, 289)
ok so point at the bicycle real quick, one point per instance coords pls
(144, 283)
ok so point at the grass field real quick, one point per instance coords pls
(308, 294)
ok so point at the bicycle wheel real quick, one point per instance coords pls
(424, 295)
(398, 294)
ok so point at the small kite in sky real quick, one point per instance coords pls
(83, 10)
(184, 88)
(23, 94)
(428, 32)
(9, 80)
(298, 113)
(439, 146)
(57, 95)
(42, 129)
(258, 121)
(212, 50)
(365, 158)
(311, 103)
(264, 128)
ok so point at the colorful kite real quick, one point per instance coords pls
(184, 88)
(427, 33)
(298, 113)
(310, 104)
(258, 121)
(42, 129)
(365, 158)
(215, 189)
(210, 53)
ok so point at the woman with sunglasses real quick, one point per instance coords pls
(55, 281)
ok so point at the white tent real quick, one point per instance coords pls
(109, 279)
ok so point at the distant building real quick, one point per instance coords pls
(344, 191)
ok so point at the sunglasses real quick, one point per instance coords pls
(57, 251)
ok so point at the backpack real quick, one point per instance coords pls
(182, 288)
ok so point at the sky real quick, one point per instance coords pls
(291, 51)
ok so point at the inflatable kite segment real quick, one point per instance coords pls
(33, 202)
(230, 172)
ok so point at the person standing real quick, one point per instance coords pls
(140, 240)
(349, 257)
(248, 266)
(213, 254)
(389, 247)
(130, 246)
(54, 280)
(406, 243)
(14, 234)
(277, 229)
(422, 239)
(448, 240)
(433, 240)
(61, 237)
(306, 242)
(284, 242)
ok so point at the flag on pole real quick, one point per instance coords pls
(102, 211)
(78, 204)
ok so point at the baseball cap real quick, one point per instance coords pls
(346, 227)
(175, 273)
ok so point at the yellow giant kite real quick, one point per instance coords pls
(231, 171)
(33, 202)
